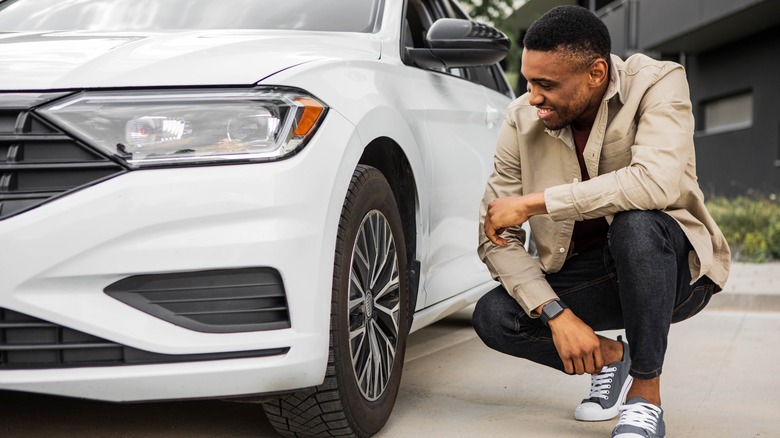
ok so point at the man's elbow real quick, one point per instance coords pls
(662, 196)
(646, 191)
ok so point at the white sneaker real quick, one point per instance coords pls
(608, 390)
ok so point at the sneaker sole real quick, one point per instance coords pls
(604, 414)
(630, 435)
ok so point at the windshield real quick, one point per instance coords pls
(153, 15)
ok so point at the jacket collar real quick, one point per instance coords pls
(614, 86)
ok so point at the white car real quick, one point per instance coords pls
(204, 198)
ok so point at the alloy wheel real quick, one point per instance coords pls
(374, 297)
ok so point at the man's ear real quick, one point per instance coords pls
(598, 72)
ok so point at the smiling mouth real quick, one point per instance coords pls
(544, 113)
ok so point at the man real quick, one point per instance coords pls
(598, 157)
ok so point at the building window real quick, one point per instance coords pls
(728, 113)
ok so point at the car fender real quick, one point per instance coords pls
(366, 94)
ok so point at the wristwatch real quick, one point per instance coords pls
(552, 310)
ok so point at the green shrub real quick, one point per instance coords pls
(751, 226)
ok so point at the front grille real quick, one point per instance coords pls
(38, 162)
(217, 301)
(32, 343)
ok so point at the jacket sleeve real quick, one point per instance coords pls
(519, 273)
(662, 148)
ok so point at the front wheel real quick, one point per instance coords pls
(369, 322)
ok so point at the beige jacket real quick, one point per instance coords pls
(640, 156)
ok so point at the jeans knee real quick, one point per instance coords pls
(488, 316)
(481, 318)
(635, 231)
(636, 221)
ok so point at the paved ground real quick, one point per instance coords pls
(720, 380)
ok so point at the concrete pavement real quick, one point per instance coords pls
(720, 378)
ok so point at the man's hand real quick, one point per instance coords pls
(503, 213)
(577, 344)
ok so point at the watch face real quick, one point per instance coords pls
(552, 308)
(550, 311)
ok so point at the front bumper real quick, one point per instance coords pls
(58, 258)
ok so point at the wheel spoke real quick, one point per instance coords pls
(360, 261)
(357, 295)
(364, 380)
(377, 249)
(357, 332)
(391, 312)
(388, 262)
(390, 286)
(376, 359)
(388, 352)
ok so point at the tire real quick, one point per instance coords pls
(368, 326)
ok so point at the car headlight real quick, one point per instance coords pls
(164, 127)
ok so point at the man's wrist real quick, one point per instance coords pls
(551, 310)
(537, 311)
(538, 205)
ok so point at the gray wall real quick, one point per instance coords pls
(738, 162)
(617, 20)
(667, 19)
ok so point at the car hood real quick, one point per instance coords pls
(67, 60)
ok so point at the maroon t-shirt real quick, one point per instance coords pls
(592, 231)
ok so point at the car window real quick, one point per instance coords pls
(151, 15)
(458, 9)
(418, 20)
(483, 75)
(490, 76)
(446, 8)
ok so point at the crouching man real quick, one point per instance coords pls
(598, 157)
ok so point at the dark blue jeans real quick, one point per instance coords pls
(639, 280)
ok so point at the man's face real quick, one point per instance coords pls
(558, 89)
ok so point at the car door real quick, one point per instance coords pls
(461, 125)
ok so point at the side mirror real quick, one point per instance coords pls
(454, 43)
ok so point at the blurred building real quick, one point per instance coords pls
(731, 51)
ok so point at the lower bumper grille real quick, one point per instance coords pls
(217, 301)
(31, 343)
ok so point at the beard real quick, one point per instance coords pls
(557, 123)
(564, 115)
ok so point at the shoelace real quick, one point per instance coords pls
(642, 415)
(601, 383)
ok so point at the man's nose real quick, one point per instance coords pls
(534, 97)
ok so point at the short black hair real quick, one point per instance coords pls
(573, 30)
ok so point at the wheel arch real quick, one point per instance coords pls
(388, 157)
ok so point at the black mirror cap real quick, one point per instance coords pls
(454, 33)
(454, 43)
